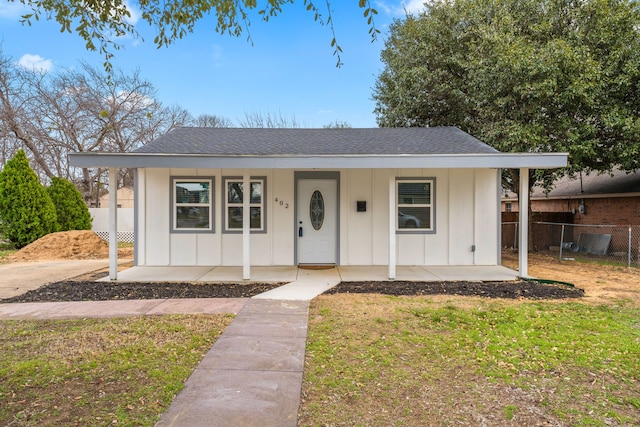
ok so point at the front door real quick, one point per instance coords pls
(317, 221)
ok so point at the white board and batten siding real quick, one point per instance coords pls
(465, 215)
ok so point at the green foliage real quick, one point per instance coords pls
(71, 210)
(26, 211)
(522, 75)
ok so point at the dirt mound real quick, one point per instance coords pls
(76, 244)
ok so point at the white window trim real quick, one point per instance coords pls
(432, 216)
(226, 205)
(175, 204)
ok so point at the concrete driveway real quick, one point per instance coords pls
(20, 277)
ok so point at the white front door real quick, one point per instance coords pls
(317, 221)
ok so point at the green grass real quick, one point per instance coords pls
(99, 372)
(571, 362)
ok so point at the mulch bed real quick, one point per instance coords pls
(513, 289)
(103, 291)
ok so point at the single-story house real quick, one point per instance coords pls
(595, 198)
(271, 197)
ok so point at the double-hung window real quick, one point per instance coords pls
(192, 205)
(414, 208)
(234, 199)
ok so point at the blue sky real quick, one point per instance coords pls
(289, 70)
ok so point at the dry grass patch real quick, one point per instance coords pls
(415, 361)
(99, 372)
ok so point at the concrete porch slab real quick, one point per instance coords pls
(354, 273)
(262, 274)
(161, 274)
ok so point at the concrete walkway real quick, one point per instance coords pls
(253, 374)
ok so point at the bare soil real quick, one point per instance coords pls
(602, 284)
(72, 245)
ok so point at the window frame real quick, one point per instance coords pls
(431, 205)
(262, 205)
(174, 204)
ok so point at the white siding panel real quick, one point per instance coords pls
(157, 222)
(141, 204)
(411, 249)
(359, 225)
(436, 246)
(486, 217)
(461, 217)
(183, 249)
(281, 217)
(379, 208)
(260, 249)
(208, 249)
(232, 249)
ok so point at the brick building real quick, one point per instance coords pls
(590, 199)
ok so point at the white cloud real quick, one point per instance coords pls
(414, 6)
(12, 10)
(35, 63)
(134, 11)
(401, 8)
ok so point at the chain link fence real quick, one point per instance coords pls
(615, 244)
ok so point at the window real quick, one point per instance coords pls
(192, 205)
(415, 205)
(508, 207)
(234, 197)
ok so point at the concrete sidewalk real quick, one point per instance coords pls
(19, 277)
(253, 374)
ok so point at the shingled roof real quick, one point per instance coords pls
(322, 142)
(377, 148)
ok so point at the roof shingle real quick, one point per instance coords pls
(322, 142)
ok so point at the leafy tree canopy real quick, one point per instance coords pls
(522, 75)
(100, 23)
(26, 211)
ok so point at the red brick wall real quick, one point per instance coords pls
(611, 210)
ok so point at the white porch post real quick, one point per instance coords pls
(246, 227)
(392, 227)
(113, 223)
(523, 240)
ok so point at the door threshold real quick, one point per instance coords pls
(316, 266)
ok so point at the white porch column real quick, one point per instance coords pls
(523, 239)
(113, 223)
(392, 227)
(246, 227)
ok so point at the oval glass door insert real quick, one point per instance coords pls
(316, 210)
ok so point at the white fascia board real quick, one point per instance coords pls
(442, 161)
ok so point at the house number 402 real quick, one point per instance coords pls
(282, 203)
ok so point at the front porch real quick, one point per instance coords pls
(288, 274)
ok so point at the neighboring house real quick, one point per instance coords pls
(125, 198)
(591, 199)
(263, 197)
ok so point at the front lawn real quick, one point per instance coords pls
(99, 372)
(415, 361)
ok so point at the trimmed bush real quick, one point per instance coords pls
(71, 210)
(26, 211)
